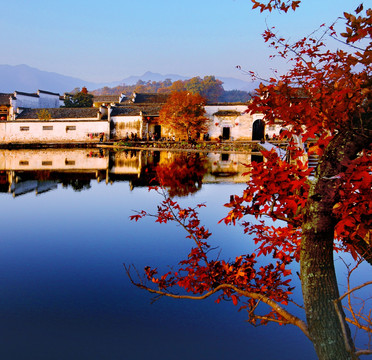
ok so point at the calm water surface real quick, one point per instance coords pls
(64, 291)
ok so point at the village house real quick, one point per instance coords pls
(60, 125)
(39, 100)
(139, 115)
(39, 117)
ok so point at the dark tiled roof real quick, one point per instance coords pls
(152, 110)
(26, 94)
(150, 98)
(48, 92)
(227, 113)
(61, 113)
(125, 111)
(5, 99)
(106, 98)
(135, 109)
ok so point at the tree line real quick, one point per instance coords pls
(209, 87)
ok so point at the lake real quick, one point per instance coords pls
(66, 234)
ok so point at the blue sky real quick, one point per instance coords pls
(109, 40)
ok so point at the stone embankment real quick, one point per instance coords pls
(200, 146)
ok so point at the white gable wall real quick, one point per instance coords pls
(48, 100)
(240, 125)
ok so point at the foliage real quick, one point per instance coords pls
(184, 113)
(182, 174)
(80, 99)
(44, 114)
(209, 87)
(326, 98)
(235, 96)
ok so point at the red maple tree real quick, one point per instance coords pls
(326, 100)
(183, 114)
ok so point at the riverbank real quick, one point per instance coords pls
(200, 146)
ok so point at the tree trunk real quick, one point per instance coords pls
(318, 278)
(319, 287)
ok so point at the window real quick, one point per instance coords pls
(23, 162)
(47, 127)
(24, 128)
(224, 157)
(70, 128)
(47, 163)
(69, 162)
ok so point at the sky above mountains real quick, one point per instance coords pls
(108, 41)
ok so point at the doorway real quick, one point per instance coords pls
(157, 132)
(225, 133)
(258, 131)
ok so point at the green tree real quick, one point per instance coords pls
(212, 88)
(80, 99)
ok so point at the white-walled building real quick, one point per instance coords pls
(61, 125)
(40, 100)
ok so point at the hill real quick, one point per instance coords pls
(29, 79)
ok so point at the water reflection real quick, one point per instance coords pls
(40, 170)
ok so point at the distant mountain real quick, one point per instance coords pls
(29, 79)
(237, 84)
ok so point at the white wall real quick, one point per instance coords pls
(48, 100)
(52, 131)
(127, 124)
(240, 125)
(41, 100)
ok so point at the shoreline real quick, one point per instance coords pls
(200, 146)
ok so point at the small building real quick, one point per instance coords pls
(137, 115)
(232, 121)
(66, 125)
(40, 99)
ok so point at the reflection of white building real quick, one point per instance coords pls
(227, 167)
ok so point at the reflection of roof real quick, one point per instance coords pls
(227, 113)
(61, 113)
(5, 99)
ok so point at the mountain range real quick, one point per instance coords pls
(29, 79)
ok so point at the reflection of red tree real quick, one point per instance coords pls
(183, 174)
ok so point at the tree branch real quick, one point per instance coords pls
(290, 319)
